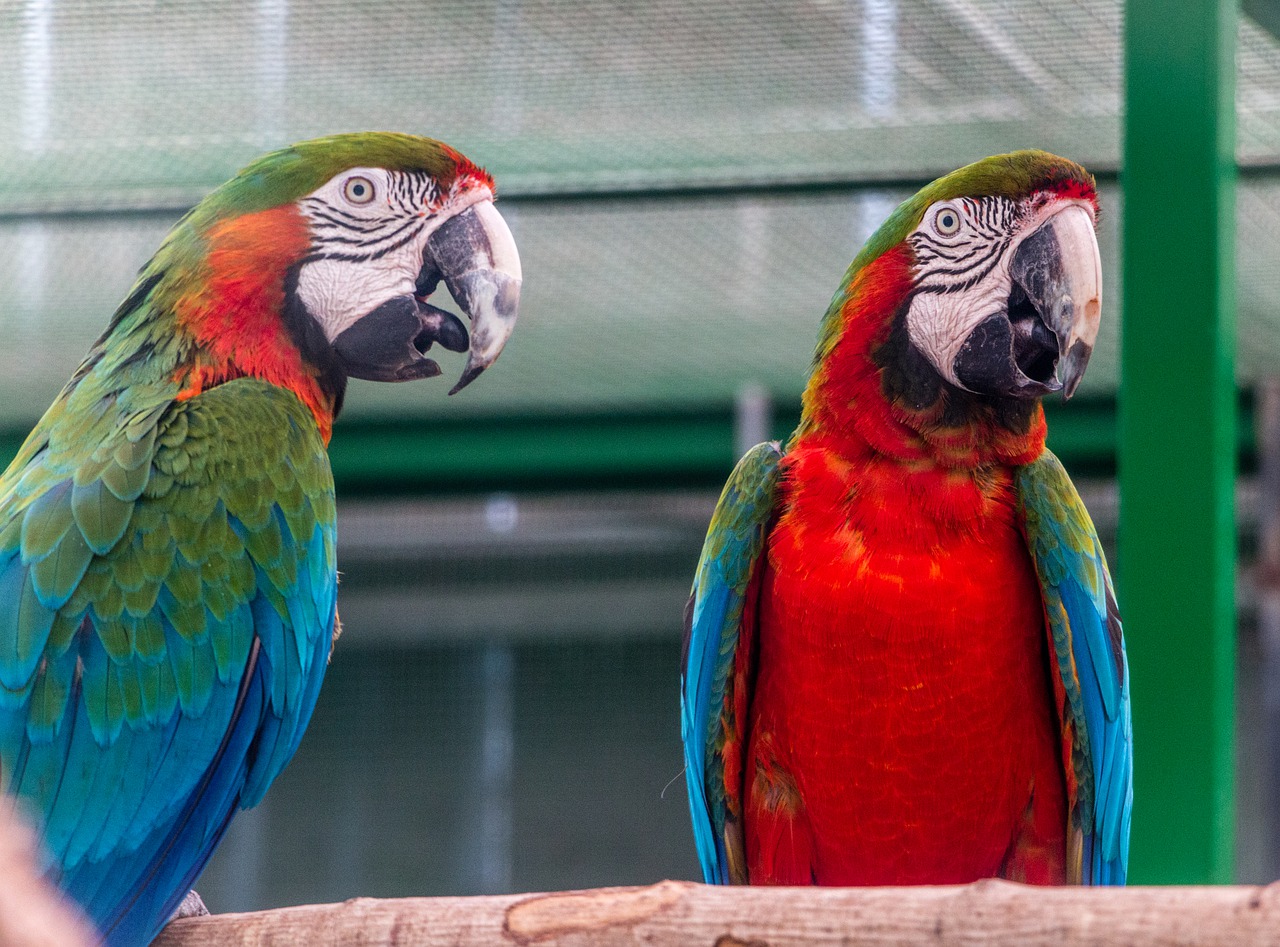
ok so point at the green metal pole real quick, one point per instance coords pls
(1177, 434)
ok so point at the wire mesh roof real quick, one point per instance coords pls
(124, 112)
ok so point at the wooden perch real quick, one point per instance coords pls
(678, 913)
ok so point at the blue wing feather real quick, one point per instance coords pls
(1090, 664)
(700, 671)
(175, 716)
(732, 548)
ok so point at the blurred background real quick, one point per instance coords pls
(686, 183)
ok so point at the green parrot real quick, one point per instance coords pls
(167, 530)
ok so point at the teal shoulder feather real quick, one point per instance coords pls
(714, 630)
(167, 602)
(1089, 664)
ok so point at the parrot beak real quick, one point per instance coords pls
(1043, 340)
(475, 254)
(1056, 302)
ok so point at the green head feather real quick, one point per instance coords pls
(284, 176)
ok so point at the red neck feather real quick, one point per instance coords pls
(236, 314)
(848, 403)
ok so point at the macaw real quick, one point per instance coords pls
(167, 531)
(903, 659)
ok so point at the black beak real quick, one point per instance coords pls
(390, 343)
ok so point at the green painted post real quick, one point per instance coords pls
(1177, 434)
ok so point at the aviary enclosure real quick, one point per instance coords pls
(685, 182)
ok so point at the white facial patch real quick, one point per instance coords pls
(369, 228)
(938, 324)
(962, 250)
(337, 293)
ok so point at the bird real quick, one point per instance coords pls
(167, 530)
(903, 660)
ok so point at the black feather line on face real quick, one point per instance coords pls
(388, 231)
(312, 343)
(370, 255)
(325, 219)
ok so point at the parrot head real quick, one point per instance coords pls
(986, 283)
(317, 263)
(1007, 277)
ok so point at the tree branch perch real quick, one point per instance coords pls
(678, 913)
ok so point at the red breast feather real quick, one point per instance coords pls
(902, 729)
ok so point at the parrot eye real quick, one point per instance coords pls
(947, 221)
(358, 190)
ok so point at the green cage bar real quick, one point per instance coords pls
(1177, 431)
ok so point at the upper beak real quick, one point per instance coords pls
(1057, 276)
(475, 254)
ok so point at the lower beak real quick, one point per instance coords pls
(1056, 304)
(475, 254)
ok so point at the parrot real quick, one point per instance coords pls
(168, 530)
(903, 660)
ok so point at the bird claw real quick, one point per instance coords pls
(192, 906)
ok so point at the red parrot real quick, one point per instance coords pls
(904, 662)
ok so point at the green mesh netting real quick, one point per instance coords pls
(122, 113)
